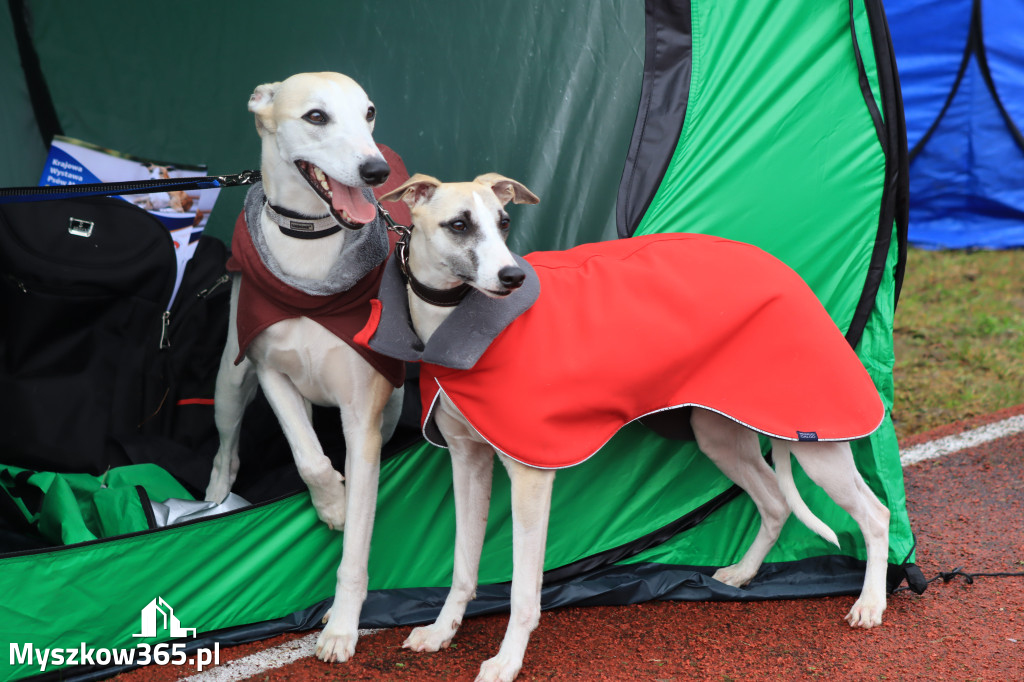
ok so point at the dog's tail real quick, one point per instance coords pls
(784, 474)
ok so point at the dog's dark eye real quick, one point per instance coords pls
(504, 222)
(316, 117)
(457, 225)
(371, 113)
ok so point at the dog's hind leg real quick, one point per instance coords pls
(361, 422)
(472, 474)
(324, 482)
(531, 508)
(831, 466)
(235, 389)
(737, 453)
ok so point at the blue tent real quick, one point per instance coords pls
(961, 65)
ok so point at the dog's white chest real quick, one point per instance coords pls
(313, 358)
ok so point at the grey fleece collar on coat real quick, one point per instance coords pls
(462, 338)
(363, 250)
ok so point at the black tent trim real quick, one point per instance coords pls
(865, 86)
(892, 133)
(38, 91)
(664, 92)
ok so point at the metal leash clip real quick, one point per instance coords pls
(390, 222)
(246, 177)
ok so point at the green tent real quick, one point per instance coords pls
(778, 124)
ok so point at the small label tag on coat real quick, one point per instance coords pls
(807, 435)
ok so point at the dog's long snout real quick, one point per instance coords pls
(374, 172)
(511, 276)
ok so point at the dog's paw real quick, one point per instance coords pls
(735, 575)
(430, 638)
(334, 646)
(218, 490)
(329, 500)
(220, 484)
(332, 514)
(501, 668)
(866, 613)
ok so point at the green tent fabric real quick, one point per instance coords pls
(773, 123)
(76, 508)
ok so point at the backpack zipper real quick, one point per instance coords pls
(165, 318)
(16, 283)
(165, 323)
(221, 281)
(38, 287)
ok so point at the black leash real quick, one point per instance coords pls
(10, 195)
(917, 583)
(959, 572)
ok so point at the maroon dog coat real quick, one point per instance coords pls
(628, 328)
(263, 300)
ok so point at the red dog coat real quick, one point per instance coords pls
(627, 328)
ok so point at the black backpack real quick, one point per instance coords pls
(95, 370)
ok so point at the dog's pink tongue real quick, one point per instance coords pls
(351, 201)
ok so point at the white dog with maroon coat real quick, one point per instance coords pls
(309, 249)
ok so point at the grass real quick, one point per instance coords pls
(959, 337)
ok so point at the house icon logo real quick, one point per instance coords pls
(151, 618)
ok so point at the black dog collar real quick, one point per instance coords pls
(445, 298)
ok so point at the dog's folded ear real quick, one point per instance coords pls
(260, 102)
(507, 189)
(415, 190)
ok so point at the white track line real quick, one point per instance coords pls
(962, 441)
(289, 652)
(262, 661)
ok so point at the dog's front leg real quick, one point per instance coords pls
(235, 389)
(361, 422)
(531, 508)
(324, 482)
(472, 473)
